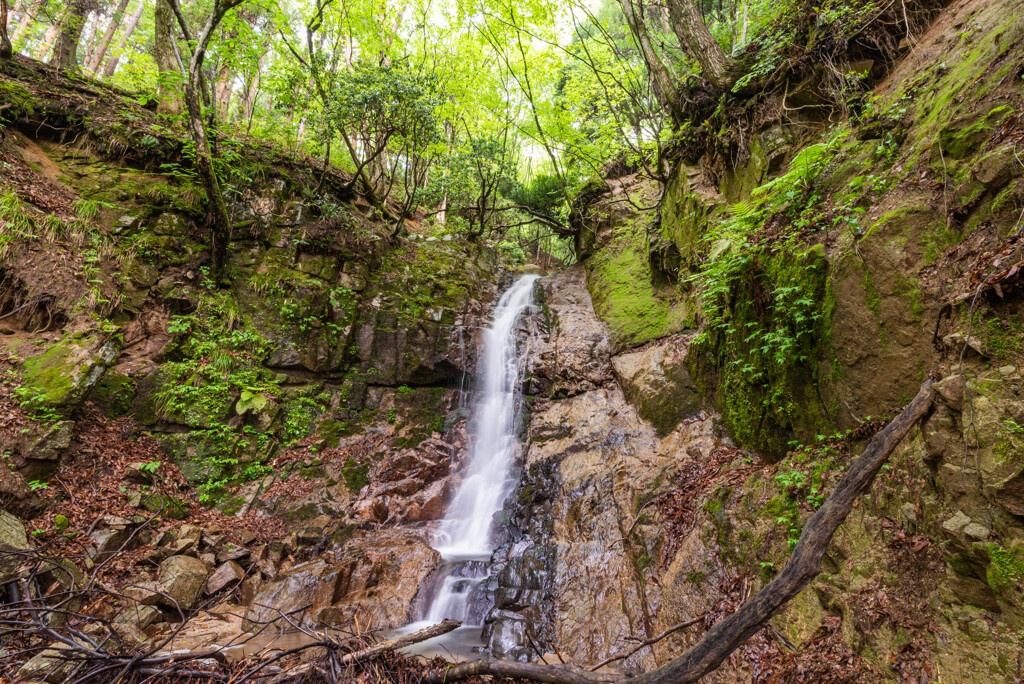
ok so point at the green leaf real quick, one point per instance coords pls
(248, 400)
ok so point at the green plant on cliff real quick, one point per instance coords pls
(763, 298)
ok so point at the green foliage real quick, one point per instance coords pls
(248, 400)
(762, 289)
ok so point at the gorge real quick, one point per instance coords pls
(578, 367)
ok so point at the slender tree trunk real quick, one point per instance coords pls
(100, 50)
(168, 100)
(23, 13)
(5, 42)
(28, 15)
(65, 52)
(129, 29)
(662, 79)
(693, 34)
(252, 90)
(221, 228)
(222, 91)
(88, 41)
(44, 48)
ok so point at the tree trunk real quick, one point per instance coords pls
(5, 42)
(44, 48)
(168, 100)
(65, 52)
(662, 79)
(89, 40)
(222, 91)
(25, 13)
(252, 90)
(694, 36)
(100, 51)
(129, 29)
(221, 228)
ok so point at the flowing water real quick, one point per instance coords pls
(464, 537)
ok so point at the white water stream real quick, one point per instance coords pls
(464, 537)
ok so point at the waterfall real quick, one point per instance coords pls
(464, 536)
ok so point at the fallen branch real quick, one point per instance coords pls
(649, 642)
(730, 632)
(401, 642)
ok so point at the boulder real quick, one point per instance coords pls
(182, 579)
(295, 593)
(62, 376)
(47, 666)
(139, 616)
(226, 574)
(50, 445)
(143, 593)
(109, 541)
(231, 552)
(13, 540)
(657, 381)
(382, 578)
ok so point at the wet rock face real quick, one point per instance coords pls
(373, 580)
(521, 586)
(573, 355)
(565, 574)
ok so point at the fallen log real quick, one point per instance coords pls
(302, 672)
(400, 642)
(730, 632)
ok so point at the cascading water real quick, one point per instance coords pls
(464, 537)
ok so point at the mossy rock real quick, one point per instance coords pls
(167, 506)
(60, 378)
(626, 298)
(202, 456)
(963, 137)
(116, 392)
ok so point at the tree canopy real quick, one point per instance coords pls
(479, 116)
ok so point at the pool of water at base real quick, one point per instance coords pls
(464, 643)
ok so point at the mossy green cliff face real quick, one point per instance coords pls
(817, 264)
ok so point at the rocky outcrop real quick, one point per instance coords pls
(13, 540)
(374, 580)
(576, 566)
(656, 380)
(572, 356)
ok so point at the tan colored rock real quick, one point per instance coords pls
(141, 616)
(657, 382)
(13, 540)
(375, 579)
(231, 552)
(295, 593)
(950, 391)
(110, 541)
(383, 577)
(47, 666)
(226, 574)
(182, 579)
(143, 593)
(575, 355)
